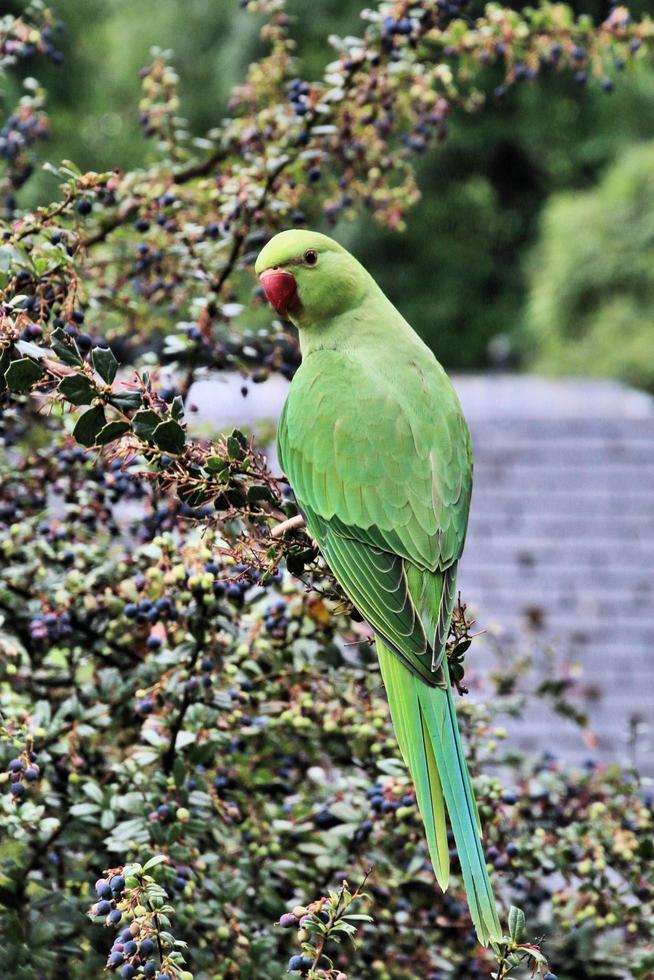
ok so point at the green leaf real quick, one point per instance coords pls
(22, 374)
(126, 401)
(170, 437)
(516, 923)
(83, 809)
(65, 348)
(29, 349)
(77, 389)
(154, 861)
(89, 425)
(111, 431)
(94, 792)
(177, 408)
(259, 491)
(105, 363)
(216, 464)
(237, 445)
(4, 364)
(145, 422)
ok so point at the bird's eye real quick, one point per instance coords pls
(311, 257)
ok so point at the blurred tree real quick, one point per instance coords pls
(592, 277)
(458, 273)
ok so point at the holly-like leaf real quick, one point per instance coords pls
(145, 422)
(89, 425)
(237, 444)
(105, 363)
(22, 374)
(126, 401)
(111, 431)
(65, 348)
(177, 408)
(77, 389)
(170, 437)
(29, 349)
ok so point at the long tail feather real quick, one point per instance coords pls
(425, 723)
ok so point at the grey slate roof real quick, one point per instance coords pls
(560, 547)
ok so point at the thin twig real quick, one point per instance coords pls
(290, 525)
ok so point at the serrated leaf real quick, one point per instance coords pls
(65, 348)
(29, 349)
(126, 401)
(170, 437)
(516, 923)
(89, 425)
(235, 449)
(111, 431)
(105, 363)
(177, 408)
(77, 389)
(145, 422)
(22, 374)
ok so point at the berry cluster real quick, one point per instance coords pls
(22, 772)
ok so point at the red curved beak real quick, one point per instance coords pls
(280, 288)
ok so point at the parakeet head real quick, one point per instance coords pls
(308, 277)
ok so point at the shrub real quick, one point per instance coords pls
(190, 718)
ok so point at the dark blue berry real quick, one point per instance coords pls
(103, 907)
(130, 948)
(116, 959)
(115, 916)
(117, 883)
(84, 206)
(128, 971)
(149, 969)
(103, 890)
(146, 947)
(324, 819)
(31, 775)
(16, 765)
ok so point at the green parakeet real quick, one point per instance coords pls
(375, 446)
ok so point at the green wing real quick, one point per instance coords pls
(379, 459)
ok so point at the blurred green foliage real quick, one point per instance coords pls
(592, 280)
(460, 272)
